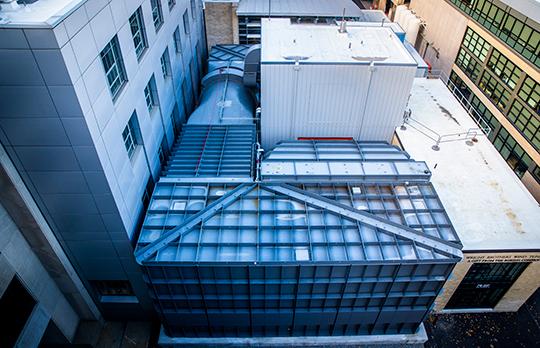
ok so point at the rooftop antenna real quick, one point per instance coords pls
(343, 24)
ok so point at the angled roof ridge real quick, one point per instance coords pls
(144, 253)
(372, 220)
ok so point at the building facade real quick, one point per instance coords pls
(41, 296)
(493, 57)
(93, 93)
(495, 216)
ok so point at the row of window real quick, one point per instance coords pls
(510, 89)
(516, 30)
(510, 150)
(111, 55)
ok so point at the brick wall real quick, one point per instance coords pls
(220, 21)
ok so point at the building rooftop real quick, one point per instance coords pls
(316, 160)
(39, 14)
(320, 8)
(283, 41)
(300, 221)
(487, 203)
(213, 151)
(529, 8)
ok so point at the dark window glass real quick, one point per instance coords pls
(514, 154)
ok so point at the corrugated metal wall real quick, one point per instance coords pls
(295, 300)
(309, 100)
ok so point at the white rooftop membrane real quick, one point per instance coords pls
(312, 43)
(487, 203)
(42, 13)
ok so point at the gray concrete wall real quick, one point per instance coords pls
(17, 258)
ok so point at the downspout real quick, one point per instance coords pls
(371, 69)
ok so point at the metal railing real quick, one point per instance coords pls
(471, 110)
(470, 135)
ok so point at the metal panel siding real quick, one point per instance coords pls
(388, 96)
(275, 105)
(329, 101)
(299, 300)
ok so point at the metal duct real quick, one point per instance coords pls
(224, 100)
(252, 66)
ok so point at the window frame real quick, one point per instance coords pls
(185, 20)
(157, 14)
(177, 37)
(116, 66)
(129, 136)
(165, 63)
(149, 97)
(138, 33)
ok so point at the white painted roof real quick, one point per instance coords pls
(529, 8)
(321, 43)
(487, 203)
(42, 13)
(276, 8)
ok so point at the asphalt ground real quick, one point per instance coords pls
(492, 330)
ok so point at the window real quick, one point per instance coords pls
(530, 93)
(157, 14)
(494, 90)
(137, 31)
(147, 194)
(16, 305)
(536, 173)
(113, 287)
(130, 135)
(111, 57)
(514, 154)
(177, 40)
(526, 122)
(149, 97)
(484, 112)
(163, 151)
(507, 71)
(523, 35)
(171, 3)
(165, 64)
(193, 9)
(476, 44)
(457, 85)
(175, 120)
(185, 18)
(470, 66)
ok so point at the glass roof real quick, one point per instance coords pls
(262, 225)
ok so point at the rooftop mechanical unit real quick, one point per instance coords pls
(315, 238)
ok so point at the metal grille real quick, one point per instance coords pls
(213, 151)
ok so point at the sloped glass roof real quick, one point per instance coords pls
(264, 225)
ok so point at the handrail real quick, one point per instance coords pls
(471, 110)
(471, 134)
